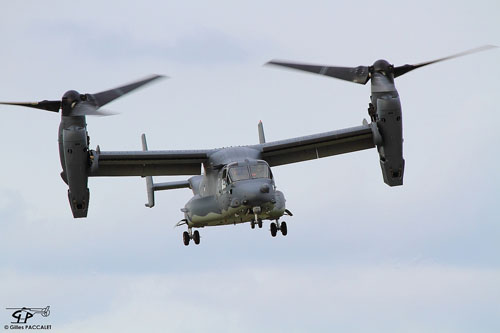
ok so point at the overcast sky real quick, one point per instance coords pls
(359, 256)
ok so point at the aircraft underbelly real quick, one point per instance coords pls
(200, 217)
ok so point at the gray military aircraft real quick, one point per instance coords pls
(237, 184)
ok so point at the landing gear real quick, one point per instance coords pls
(188, 235)
(283, 228)
(279, 226)
(186, 238)
(274, 229)
(259, 223)
(196, 237)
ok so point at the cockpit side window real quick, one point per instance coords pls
(239, 173)
(259, 171)
(223, 181)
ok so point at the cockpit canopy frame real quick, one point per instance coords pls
(246, 170)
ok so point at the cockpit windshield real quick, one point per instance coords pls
(259, 171)
(239, 173)
(243, 172)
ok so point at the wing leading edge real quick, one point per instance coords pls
(318, 145)
(147, 163)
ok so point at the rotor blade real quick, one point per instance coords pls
(358, 74)
(53, 106)
(107, 96)
(87, 109)
(400, 70)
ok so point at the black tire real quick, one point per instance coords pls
(259, 222)
(274, 229)
(185, 238)
(284, 229)
(252, 224)
(196, 237)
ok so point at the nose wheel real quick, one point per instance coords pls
(188, 235)
(279, 226)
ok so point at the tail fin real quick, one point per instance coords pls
(262, 138)
(149, 179)
(151, 187)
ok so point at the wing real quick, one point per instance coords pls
(147, 163)
(318, 145)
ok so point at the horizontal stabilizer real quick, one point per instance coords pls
(170, 185)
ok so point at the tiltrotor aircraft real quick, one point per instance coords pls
(237, 184)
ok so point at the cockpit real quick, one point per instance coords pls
(248, 185)
(235, 172)
(243, 172)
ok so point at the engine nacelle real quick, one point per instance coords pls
(390, 126)
(73, 148)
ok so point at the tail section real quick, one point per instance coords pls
(151, 187)
(149, 179)
(262, 138)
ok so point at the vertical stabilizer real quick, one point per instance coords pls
(262, 138)
(149, 179)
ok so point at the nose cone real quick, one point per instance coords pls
(253, 192)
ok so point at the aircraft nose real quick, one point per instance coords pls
(254, 193)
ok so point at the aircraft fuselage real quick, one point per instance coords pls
(237, 187)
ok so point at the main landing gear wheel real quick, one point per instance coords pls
(186, 238)
(196, 237)
(284, 229)
(259, 222)
(252, 224)
(274, 229)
